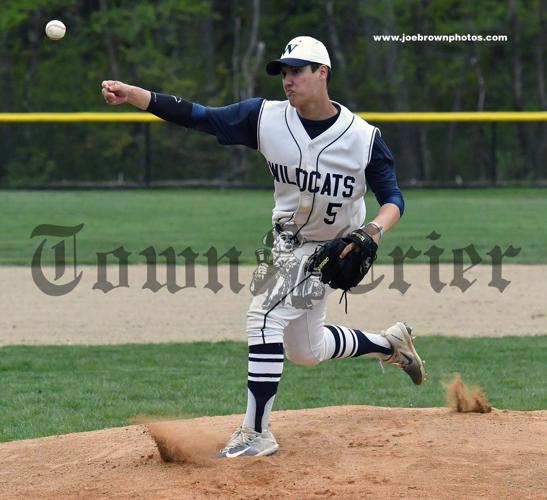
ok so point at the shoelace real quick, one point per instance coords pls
(381, 362)
(394, 363)
(240, 436)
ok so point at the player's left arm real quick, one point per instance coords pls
(381, 178)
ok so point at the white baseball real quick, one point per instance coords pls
(55, 30)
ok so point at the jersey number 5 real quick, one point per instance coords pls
(332, 210)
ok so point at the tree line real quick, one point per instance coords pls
(214, 52)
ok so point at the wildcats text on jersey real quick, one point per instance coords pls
(329, 184)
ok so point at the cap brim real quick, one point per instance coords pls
(274, 67)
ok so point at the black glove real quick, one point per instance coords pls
(347, 272)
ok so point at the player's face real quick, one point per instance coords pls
(302, 85)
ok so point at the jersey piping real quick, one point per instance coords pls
(317, 167)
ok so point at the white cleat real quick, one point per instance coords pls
(246, 442)
(404, 354)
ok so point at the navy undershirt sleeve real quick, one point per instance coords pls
(233, 124)
(171, 108)
(380, 175)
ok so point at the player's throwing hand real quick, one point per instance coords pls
(114, 92)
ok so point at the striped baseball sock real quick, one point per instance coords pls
(349, 343)
(265, 369)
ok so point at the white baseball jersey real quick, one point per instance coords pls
(319, 183)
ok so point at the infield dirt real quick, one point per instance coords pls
(344, 452)
(134, 315)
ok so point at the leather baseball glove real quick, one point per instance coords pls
(348, 272)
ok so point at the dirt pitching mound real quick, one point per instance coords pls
(192, 444)
(465, 399)
(348, 452)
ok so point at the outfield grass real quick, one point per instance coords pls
(227, 218)
(60, 389)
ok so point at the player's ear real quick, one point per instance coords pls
(324, 71)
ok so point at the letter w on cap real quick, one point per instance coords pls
(289, 48)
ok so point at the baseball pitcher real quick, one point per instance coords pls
(321, 158)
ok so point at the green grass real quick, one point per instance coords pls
(136, 220)
(227, 218)
(60, 389)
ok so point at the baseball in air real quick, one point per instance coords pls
(55, 30)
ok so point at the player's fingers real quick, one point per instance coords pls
(112, 86)
(106, 84)
(109, 97)
(349, 248)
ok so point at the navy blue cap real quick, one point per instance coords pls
(274, 67)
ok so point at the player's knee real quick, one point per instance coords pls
(272, 332)
(303, 358)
